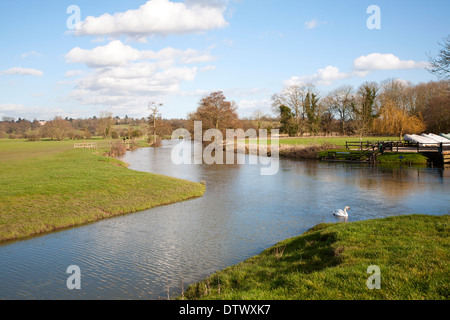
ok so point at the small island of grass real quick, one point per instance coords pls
(402, 158)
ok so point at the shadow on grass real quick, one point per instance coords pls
(277, 267)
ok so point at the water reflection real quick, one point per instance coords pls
(242, 213)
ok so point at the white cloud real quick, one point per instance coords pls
(73, 73)
(7, 107)
(31, 54)
(125, 79)
(378, 61)
(207, 3)
(323, 77)
(22, 72)
(254, 104)
(116, 54)
(131, 86)
(157, 17)
(240, 92)
(314, 24)
(190, 56)
(362, 67)
(208, 68)
(248, 107)
(30, 113)
(228, 42)
(271, 34)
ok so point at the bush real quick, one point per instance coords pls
(305, 152)
(118, 149)
(133, 145)
(124, 133)
(137, 133)
(32, 136)
(14, 136)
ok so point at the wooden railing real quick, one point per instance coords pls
(396, 146)
(375, 148)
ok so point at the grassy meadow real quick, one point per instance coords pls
(330, 262)
(47, 186)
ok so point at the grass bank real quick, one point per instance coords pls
(389, 158)
(330, 262)
(337, 141)
(47, 186)
(402, 158)
(315, 148)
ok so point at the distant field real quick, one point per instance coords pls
(46, 186)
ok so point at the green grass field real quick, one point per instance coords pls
(47, 186)
(330, 262)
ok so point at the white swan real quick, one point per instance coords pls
(341, 213)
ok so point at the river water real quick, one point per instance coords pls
(155, 253)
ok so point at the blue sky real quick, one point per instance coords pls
(124, 54)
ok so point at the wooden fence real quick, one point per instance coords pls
(85, 146)
(443, 149)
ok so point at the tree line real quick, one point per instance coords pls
(105, 125)
(68, 128)
(391, 107)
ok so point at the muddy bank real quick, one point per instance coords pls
(300, 152)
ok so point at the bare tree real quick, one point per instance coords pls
(440, 65)
(105, 123)
(258, 117)
(364, 108)
(216, 113)
(396, 91)
(437, 114)
(155, 109)
(341, 101)
(294, 97)
(57, 129)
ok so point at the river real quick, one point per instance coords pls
(154, 253)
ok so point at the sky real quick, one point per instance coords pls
(79, 58)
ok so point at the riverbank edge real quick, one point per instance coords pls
(328, 259)
(318, 151)
(108, 161)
